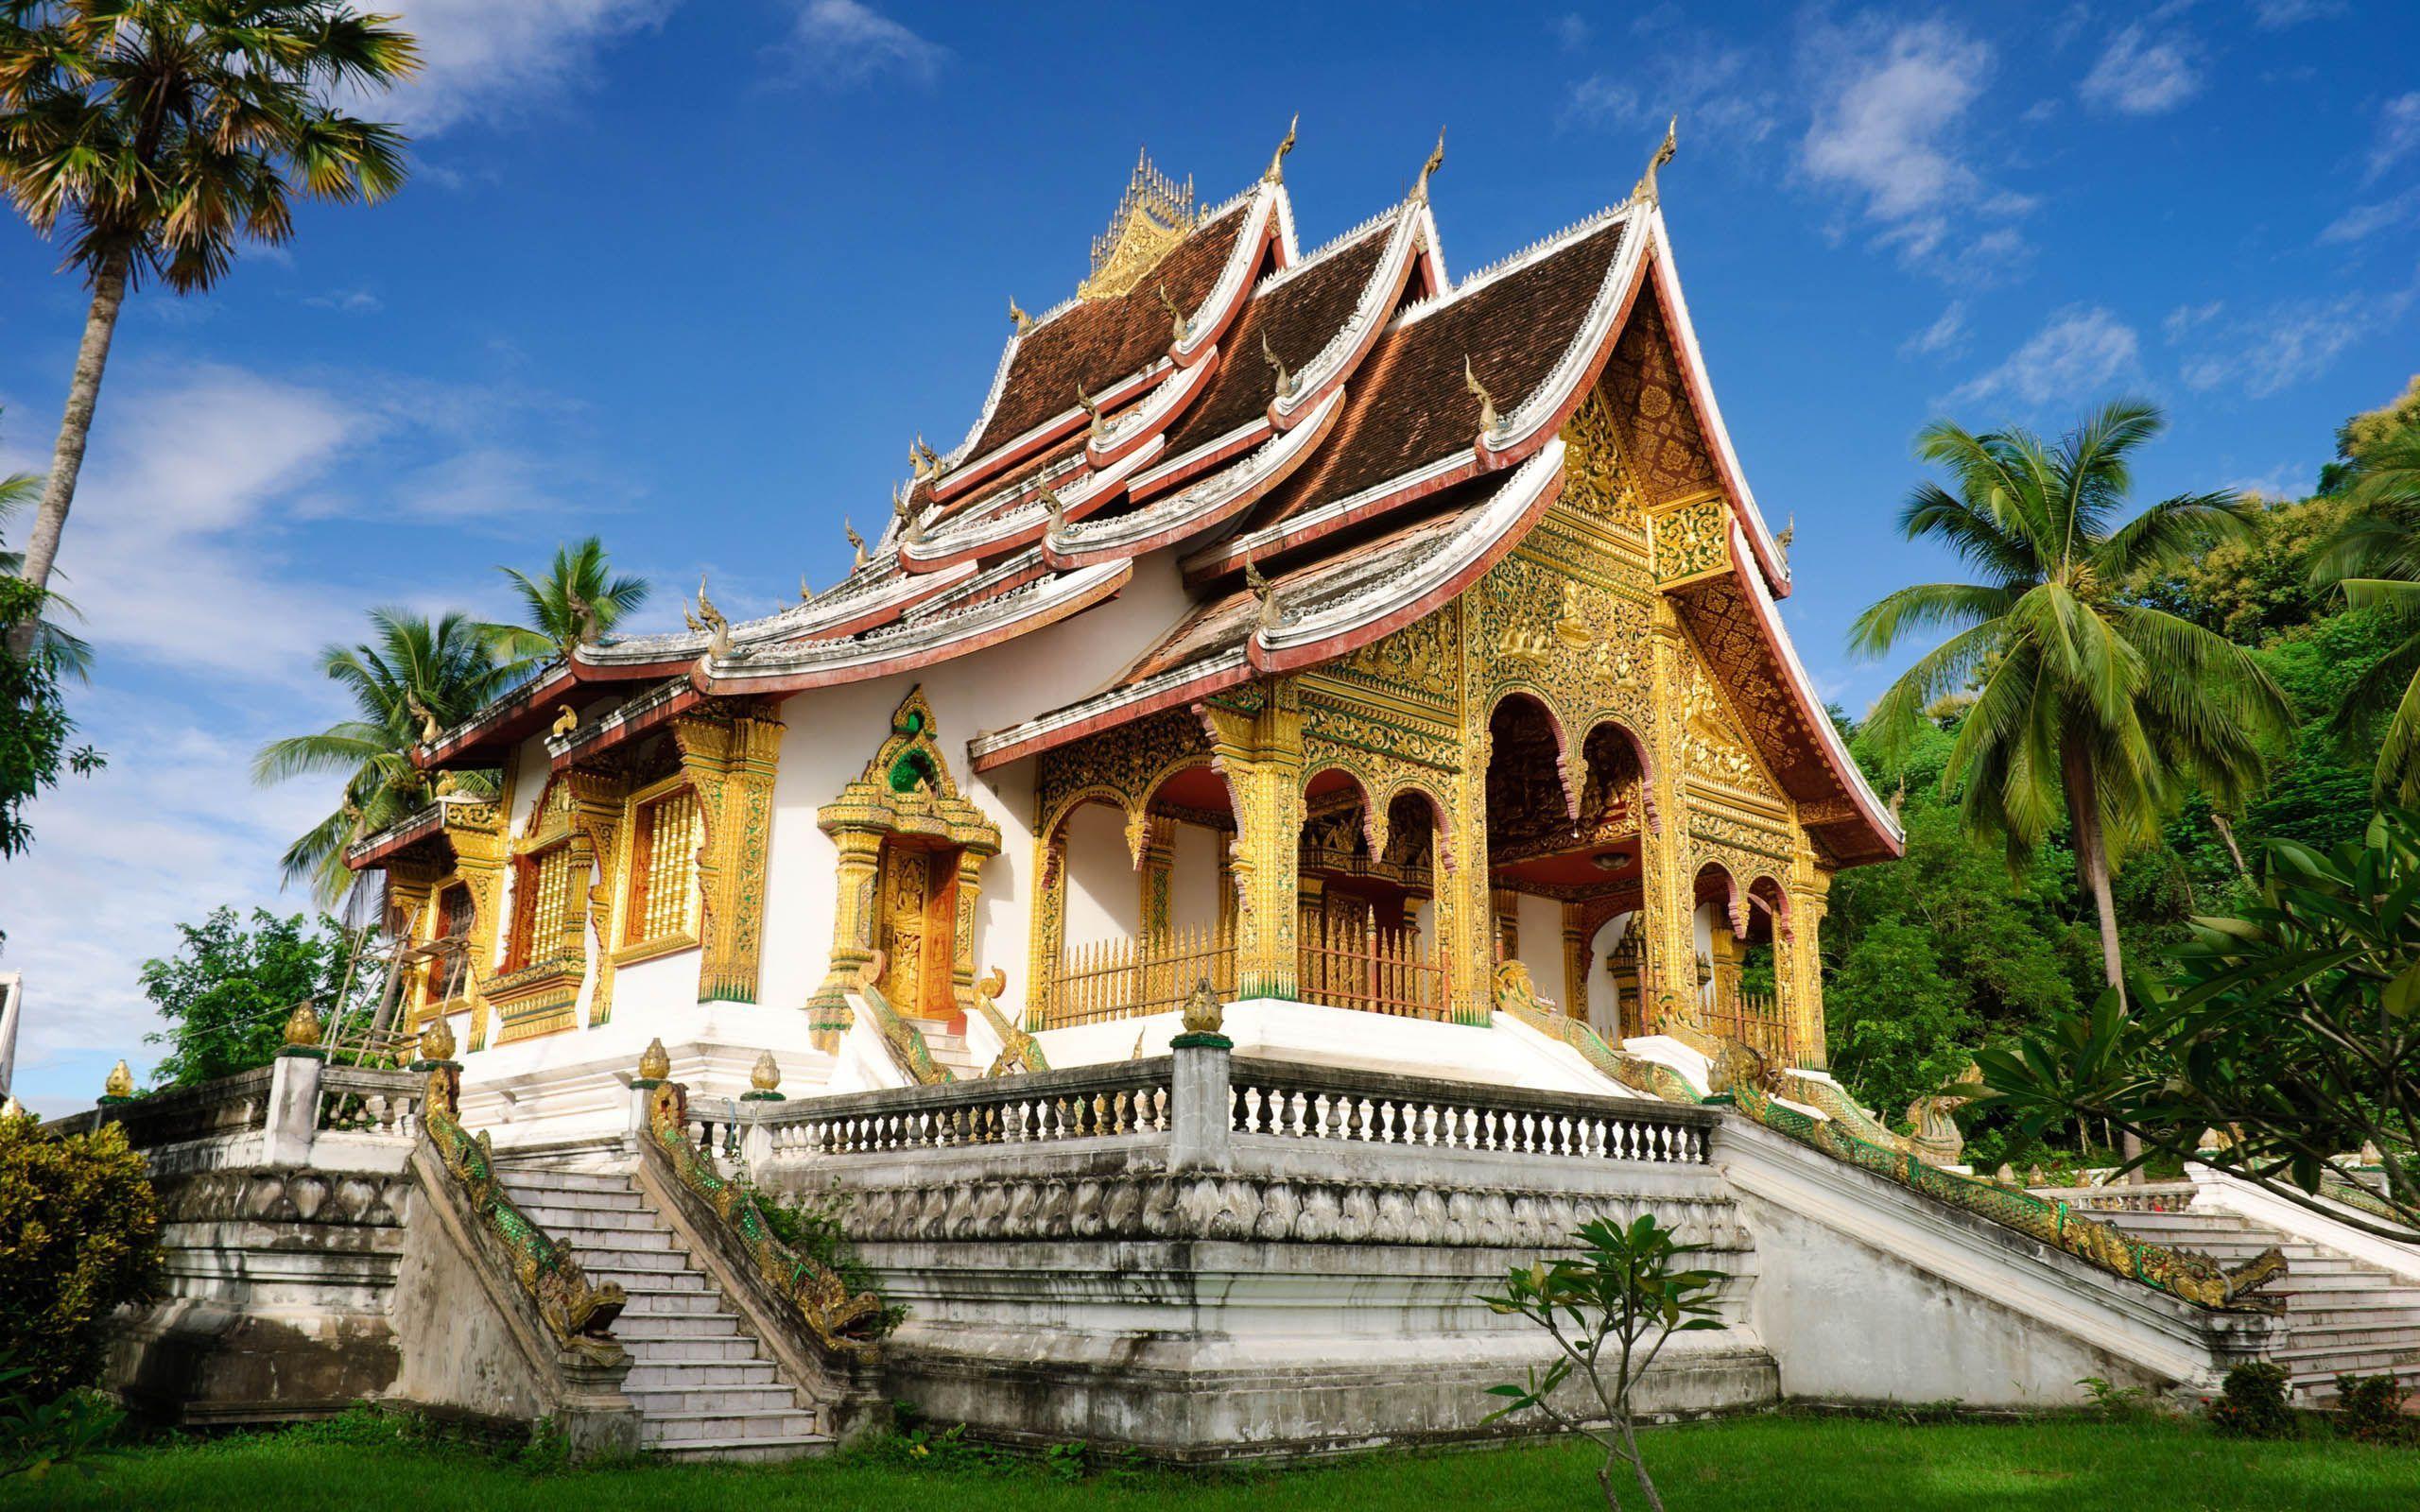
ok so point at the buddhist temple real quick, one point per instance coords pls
(1314, 624)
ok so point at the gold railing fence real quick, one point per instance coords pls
(1347, 965)
(1756, 1020)
(1126, 978)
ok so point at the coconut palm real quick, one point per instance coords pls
(163, 133)
(578, 600)
(412, 675)
(2376, 558)
(2083, 702)
(66, 651)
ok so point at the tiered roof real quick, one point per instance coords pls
(1316, 418)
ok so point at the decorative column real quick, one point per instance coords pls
(596, 811)
(1506, 908)
(1800, 964)
(1049, 924)
(1260, 754)
(1667, 892)
(1577, 958)
(857, 864)
(476, 832)
(731, 757)
(1623, 962)
(1726, 956)
(962, 896)
(411, 886)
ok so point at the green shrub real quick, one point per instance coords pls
(815, 1227)
(38, 1437)
(2373, 1408)
(2254, 1404)
(79, 1235)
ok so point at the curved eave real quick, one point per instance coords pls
(669, 656)
(1735, 479)
(499, 723)
(1332, 365)
(1058, 428)
(1021, 524)
(624, 723)
(1148, 422)
(372, 852)
(921, 644)
(1885, 830)
(1180, 516)
(1533, 423)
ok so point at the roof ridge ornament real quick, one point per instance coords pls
(1276, 172)
(1269, 616)
(856, 542)
(1436, 161)
(1092, 412)
(1023, 321)
(709, 621)
(1179, 326)
(1286, 382)
(1645, 192)
(1153, 218)
(1490, 424)
(1057, 507)
(922, 461)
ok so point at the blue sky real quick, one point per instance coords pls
(692, 275)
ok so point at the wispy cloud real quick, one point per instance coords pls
(1570, 31)
(2363, 222)
(485, 60)
(1945, 336)
(2293, 343)
(2142, 73)
(1891, 105)
(1710, 86)
(2186, 318)
(2273, 15)
(347, 302)
(2079, 351)
(842, 42)
(2398, 135)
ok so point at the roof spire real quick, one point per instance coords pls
(1276, 172)
(1023, 321)
(1644, 191)
(1152, 217)
(1436, 161)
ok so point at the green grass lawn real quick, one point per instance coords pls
(1787, 1464)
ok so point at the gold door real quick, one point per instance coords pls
(917, 918)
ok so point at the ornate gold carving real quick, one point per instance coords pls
(1152, 219)
(655, 1062)
(302, 1027)
(1693, 539)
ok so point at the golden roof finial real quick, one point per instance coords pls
(923, 460)
(1269, 616)
(1056, 505)
(1023, 321)
(1436, 161)
(1645, 189)
(567, 720)
(1152, 217)
(857, 542)
(898, 502)
(1276, 172)
(708, 621)
(1488, 422)
(1269, 355)
(1179, 326)
(429, 728)
(1091, 408)
(120, 1082)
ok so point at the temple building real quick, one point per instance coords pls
(1314, 624)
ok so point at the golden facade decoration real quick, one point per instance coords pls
(730, 750)
(1153, 218)
(1693, 539)
(911, 848)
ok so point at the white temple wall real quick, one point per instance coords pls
(1193, 878)
(1604, 1000)
(1540, 922)
(1104, 893)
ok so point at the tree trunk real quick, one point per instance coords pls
(75, 429)
(2092, 869)
(2226, 832)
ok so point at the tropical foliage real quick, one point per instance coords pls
(2373, 556)
(227, 992)
(79, 1236)
(65, 651)
(37, 735)
(2087, 704)
(578, 599)
(414, 675)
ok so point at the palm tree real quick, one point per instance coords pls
(413, 675)
(577, 601)
(164, 131)
(2376, 558)
(66, 651)
(2082, 700)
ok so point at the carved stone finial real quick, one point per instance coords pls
(437, 1040)
(302, 1027)
(120, 1082)
(856, 545)
(1490, 424)
(1644, 192)
(429, 728)
(655, 1062)
(1436, 161)
(1023, 321)
(567, 720)
(1269, 355)
(1092, 411)
(1276, 172)
(765, 1076)
(709, 621)
(1203, 1013)
(1056, 505)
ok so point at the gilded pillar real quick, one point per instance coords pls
(1466, 911)
(1576, 961)
(856, 865)
(411, 888)
(596, 817)
(730, 762)
(1049, 924)
(963, 896)
(1728, 953)
(1803, 966)
(1260, 754)
(1667, 892)
(476, 832)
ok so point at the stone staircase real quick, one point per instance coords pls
(704, 1388)
(2343, 1316)
(950, 1052)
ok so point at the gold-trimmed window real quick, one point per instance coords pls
(448, 971)
(662, 901)
(548, 899)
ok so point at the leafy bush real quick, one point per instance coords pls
(79, 1236)
(815, 1226)
(38, 1437)
(2373, 1408)
(2111, 1402)
(2254, 1404)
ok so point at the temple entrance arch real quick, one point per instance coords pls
(911, 849)
(1366, 892)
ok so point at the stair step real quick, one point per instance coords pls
(685, 1350)
(667, 1402)
(551, 1216)
(671, 1304)
(677, 1427)
(527, 1178)
(737, 1450)
(697, 1375)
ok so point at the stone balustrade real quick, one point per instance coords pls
(298, 1110)
(1130, 1098)
(1283, 1101)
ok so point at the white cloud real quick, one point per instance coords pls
(1945, 336)
(2079, 351)
(1889, 120)
(2183, 320)
(2139, 74)
(842, 42)
(1710, 87)
(1570, 31)
(2293, 343)
(2398, 133)
(348, 301)
(482, 60)
(2364, 221)
(2271, 15)
(2288, 480)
